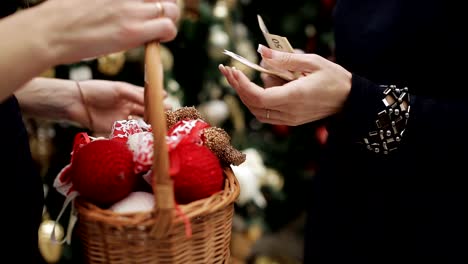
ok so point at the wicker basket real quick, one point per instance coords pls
(160, 236)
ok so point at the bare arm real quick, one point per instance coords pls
(24, 51)
(60, 32)
(59, 99)
(53, 99)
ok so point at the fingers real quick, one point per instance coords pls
(260, 97)
(271, 116)
(271, 80)
(158, 18)
(162, 29)
(167, 106)
(228, 73)
(295, 62)
(132, 93)
(137, 110)
(268, 79)
(154, 1)
(257, 99)
(267, 105)
(150, 10)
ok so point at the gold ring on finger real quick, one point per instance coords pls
(160, 8)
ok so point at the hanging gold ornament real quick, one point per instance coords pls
(265, 260)
(41, 136)
(111, 64)
(231, 4)
(50, 73)
(135, 55)
(51, 250)
(167, 58)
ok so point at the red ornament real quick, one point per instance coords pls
(122, 129)
(196, 172)
(328, 4)
(102, 171)
(141, 145)
(281, 130)
(322, 135)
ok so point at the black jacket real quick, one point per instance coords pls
(22, 191)
(412, 204)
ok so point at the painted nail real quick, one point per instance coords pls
(264, 51)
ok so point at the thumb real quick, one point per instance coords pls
(295, 62)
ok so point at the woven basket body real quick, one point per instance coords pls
(108, 237)
(160, 236)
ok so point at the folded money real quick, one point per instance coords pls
(288, 76)
(275, 42)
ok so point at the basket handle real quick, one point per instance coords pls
(155, 115)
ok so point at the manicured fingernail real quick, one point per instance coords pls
(264, 51)
(222, 68)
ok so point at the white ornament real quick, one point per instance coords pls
(134, 202)
(254, 161)
(249, 187)
(215, 111)
(80, 73)
(250, 175)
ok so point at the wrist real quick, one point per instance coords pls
(84, 102)
(347, 83)
(47, 98)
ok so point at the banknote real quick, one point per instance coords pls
(275, 42)
(283, 75)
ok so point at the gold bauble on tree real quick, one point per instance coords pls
(167, 59)
(49, 73)
(231, 4)
(111, 64)
(51, 250)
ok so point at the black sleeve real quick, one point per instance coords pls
(8, 7)
(432, 121)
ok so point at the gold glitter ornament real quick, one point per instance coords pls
(111, 64)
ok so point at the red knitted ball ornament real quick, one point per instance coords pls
(102, 171)
(198, 173)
